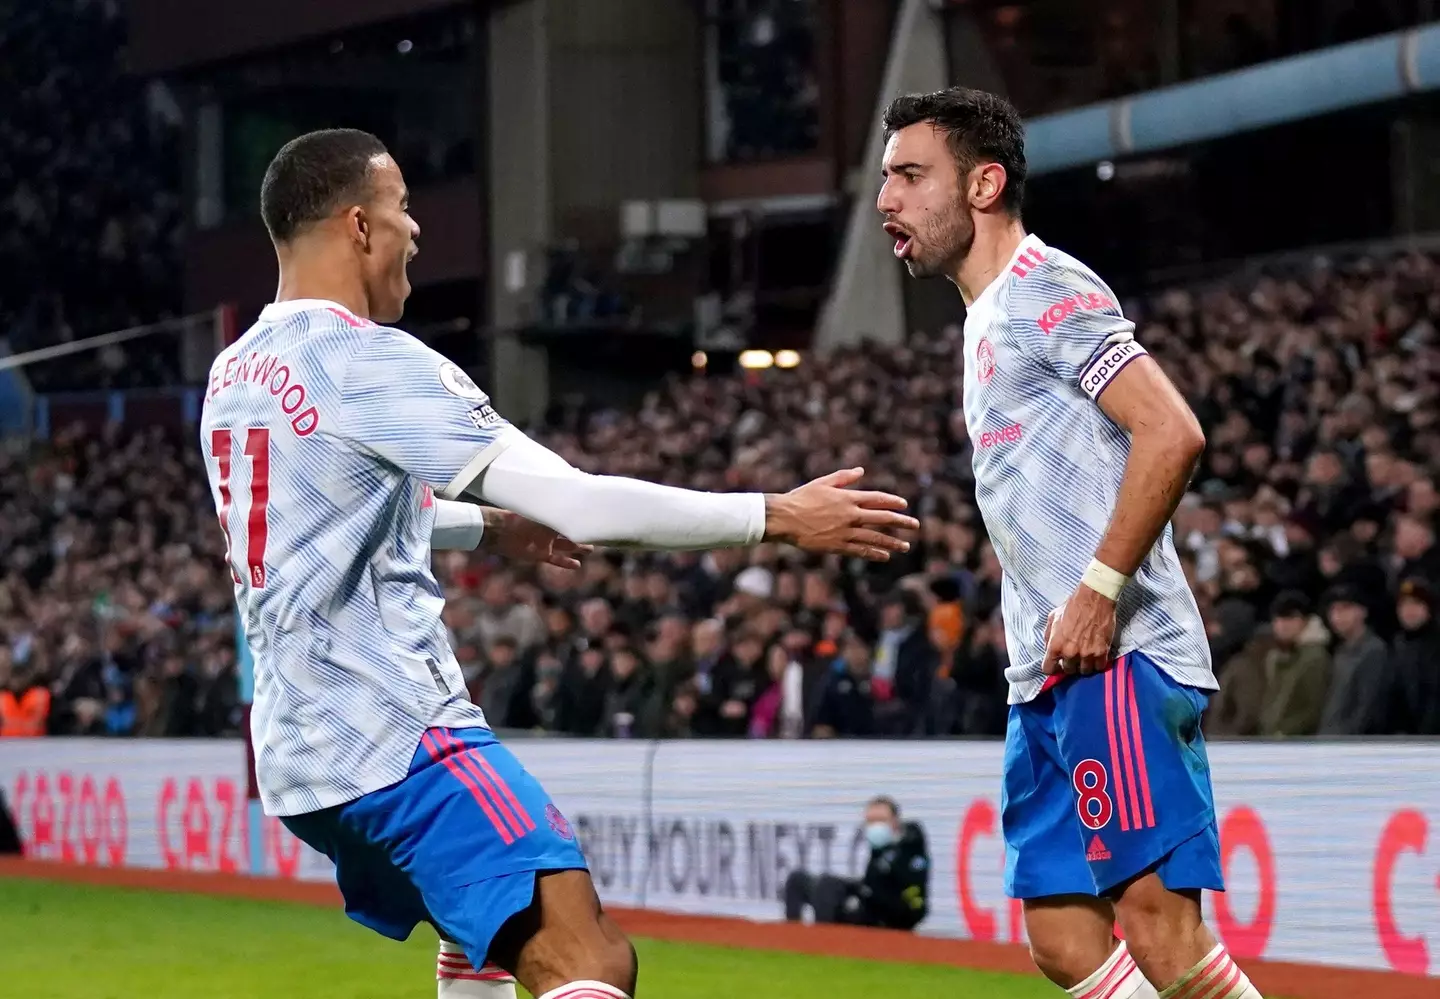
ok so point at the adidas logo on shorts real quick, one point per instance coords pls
(1097, 850)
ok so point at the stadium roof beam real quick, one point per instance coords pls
(1273, 93)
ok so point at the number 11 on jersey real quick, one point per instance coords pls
(257, 449)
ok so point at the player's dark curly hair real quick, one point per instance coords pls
(313, 175)
(979, 127)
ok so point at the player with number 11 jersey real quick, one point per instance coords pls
(341, 452)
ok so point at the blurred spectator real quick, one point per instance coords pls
(1277, 685)
(894, 891)
(90, 162)
(1317, 387)
(847, 708)
(979, 705)
(1233, 616)
(1414, 552)
(767, 96)
(1415, 660)
(584, 687)
(628, 700)
(115, 605)
(24, 705)
(502, 687)
(1359, 683)
(501, 616)
(904, 668)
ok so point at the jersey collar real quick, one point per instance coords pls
(1011, 268)
(282, 310)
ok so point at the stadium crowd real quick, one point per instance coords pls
(1308, 535)
(90, 210)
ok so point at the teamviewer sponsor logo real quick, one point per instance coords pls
(1110, 362)
(1061, 311)
(1005, 435)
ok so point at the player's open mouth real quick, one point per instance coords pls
(903, 240)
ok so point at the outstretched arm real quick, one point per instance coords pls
(824, 515)
(408, 406)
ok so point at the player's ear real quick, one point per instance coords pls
(987, 184)
(358, 225)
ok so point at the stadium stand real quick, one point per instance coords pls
(112, 598)
(1316, 385)
(90, 215)
(1309, 534)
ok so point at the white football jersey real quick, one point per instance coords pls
(1042, 342)
(326, 438)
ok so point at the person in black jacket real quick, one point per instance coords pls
(893, 894)
(847, 706)
(1415, 662)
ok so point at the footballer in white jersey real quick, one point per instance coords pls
(1043, 341)
(1082, 451)
(338, 451)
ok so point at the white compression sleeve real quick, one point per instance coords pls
(457, 526)
(609, 510)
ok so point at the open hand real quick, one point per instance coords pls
(1079, 634)
(826, 516)
(513, 537)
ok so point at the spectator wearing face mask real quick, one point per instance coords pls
(894, 891)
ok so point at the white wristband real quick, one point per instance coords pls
(1104, 580)
(458, 526)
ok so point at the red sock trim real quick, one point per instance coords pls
(1220, 969)
(1107, 985)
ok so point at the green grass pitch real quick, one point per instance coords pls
(64, 941)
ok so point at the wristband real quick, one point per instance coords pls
(1104, 580)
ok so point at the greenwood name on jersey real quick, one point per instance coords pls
(326, 438)
(1042, 343)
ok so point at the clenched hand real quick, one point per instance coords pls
(1079, 634)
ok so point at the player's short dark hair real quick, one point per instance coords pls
(979, 127)
(313, 175)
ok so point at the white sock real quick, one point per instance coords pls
(1215, 977)
(458, 978)
(1117, 978)
(585, 990)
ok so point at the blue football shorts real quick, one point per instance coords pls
(1106, 778)
(456, 844)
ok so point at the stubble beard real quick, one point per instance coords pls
(951, 237)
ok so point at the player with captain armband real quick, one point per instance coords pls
(1082, 451)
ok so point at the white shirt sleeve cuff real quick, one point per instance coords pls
(479, 463)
